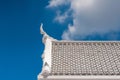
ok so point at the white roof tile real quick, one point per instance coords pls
(85, 58)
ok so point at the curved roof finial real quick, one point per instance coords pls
(45, 35)
(41, 29)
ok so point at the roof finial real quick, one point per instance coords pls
(41, 29)
(45, 35)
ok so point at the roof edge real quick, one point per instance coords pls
(83, 41)
(92, 77)
(46, 56)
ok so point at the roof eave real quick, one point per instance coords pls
(86, 77)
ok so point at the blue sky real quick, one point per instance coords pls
(20, 40)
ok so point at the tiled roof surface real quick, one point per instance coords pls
(85, 58)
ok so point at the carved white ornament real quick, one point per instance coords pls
(47, 40)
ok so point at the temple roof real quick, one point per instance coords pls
(82, 59)
(85, 58)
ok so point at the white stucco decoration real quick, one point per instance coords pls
(46, 70)
(47, 40)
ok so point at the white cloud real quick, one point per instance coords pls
(89, 17)
(56, 3)
(61, 18)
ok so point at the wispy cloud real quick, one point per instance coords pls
(57, 3)
(89, 17)
(61, 17)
